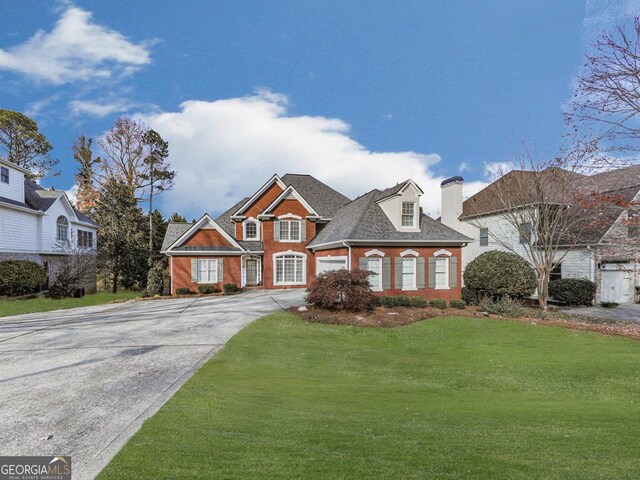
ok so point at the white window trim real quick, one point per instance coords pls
(292, 218)
(304, 267)
(198, 273)
(415, 210)
(446, 275)
(374, 252)
(289, 215)
(8, 182)
(409, 252)
(378, 287)
(439, 253)
(413, 286)
(244, 229)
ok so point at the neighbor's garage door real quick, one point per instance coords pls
(617, 286)
(326, 264)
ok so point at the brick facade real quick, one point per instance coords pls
(180, 271)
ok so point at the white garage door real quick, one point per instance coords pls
(617, 286)
(327, 264)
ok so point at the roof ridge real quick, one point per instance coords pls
(361, 215)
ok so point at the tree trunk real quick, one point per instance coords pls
(543, 290)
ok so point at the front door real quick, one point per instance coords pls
(251, 265)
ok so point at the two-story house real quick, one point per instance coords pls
(41, 225)
(605, 251)
(296, 227)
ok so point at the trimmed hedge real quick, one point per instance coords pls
(438, 303)
(573, 291)
(459, 304)
(155, 279)
(207, 289)
(20, 277)
(183, 291)
(230, 288)
(498, 275)
(471, 297)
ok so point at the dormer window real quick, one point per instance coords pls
(4, 175)
(408, 214)
(251, 230)
(62, 229)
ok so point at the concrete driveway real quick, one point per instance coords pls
(625, 312)
(80, 382)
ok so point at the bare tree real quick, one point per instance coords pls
(75, 269)
(534, 209)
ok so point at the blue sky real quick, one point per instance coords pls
(360, 94)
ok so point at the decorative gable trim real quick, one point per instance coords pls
(442, 252)
(289, 192)
(264, 188)
(410, 252)
(63, 199)
(374, 252)
(205, 222)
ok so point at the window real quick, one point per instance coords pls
(289, 230)
(409, 273)
(62, 225)
(556, 272)
(484, 237)
(442, 273)
(4, 174)
(290, 269)
(525, 232)
(374, 264)
(207, 270)
(633, 225)
(251, 230)
(408, 214)
(85, 239)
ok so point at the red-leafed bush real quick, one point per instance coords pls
(342, 290)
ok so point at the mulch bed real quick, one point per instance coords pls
(398, 316)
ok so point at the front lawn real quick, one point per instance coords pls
(17, 307)
(449, 397)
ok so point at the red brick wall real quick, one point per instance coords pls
(428, 293)
(333, 252)
(270, 246)
(180, 269)
(259, 205)
(207, 237)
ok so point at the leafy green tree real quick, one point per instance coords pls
(157, 175)
(155, 238)
(21, 143)
(122, 255)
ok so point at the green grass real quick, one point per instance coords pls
(17, 307)
(452, 398)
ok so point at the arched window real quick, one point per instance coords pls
(290, 268)
(62, 229)
(251, 230)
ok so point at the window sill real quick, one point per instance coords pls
(280, 284)
(289, 241)
(409, 289)
(442, 288)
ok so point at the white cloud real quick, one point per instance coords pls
(225, 149)
(494, 170)
(72, 194)
(95, 109)
(463, 167)
(76, 49)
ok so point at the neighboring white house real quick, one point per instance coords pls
(608, 256)
(41, 225)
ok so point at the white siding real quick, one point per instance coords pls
(577, 264)
(392, 208)
(14, 190)
(19, 231)
(49, 227)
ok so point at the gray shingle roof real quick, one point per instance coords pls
(174, 231)
(324, 199)
(192, 248)
(363, 219)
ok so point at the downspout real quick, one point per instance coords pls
(170, 275)
(348, 255)
(592, 269)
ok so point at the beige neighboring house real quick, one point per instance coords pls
(607, 253)
(42, 225)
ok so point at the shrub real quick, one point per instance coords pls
(505, 307)
(385, 301)
(183, 291)
(498, 275)
(19, 277)
(609, 304)
(155, 279)
(229, 288)
(459, 304)
(342, 289)
(206, 289)
(471, 297)
(438, 303)
(418, 302)
(573, 291)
